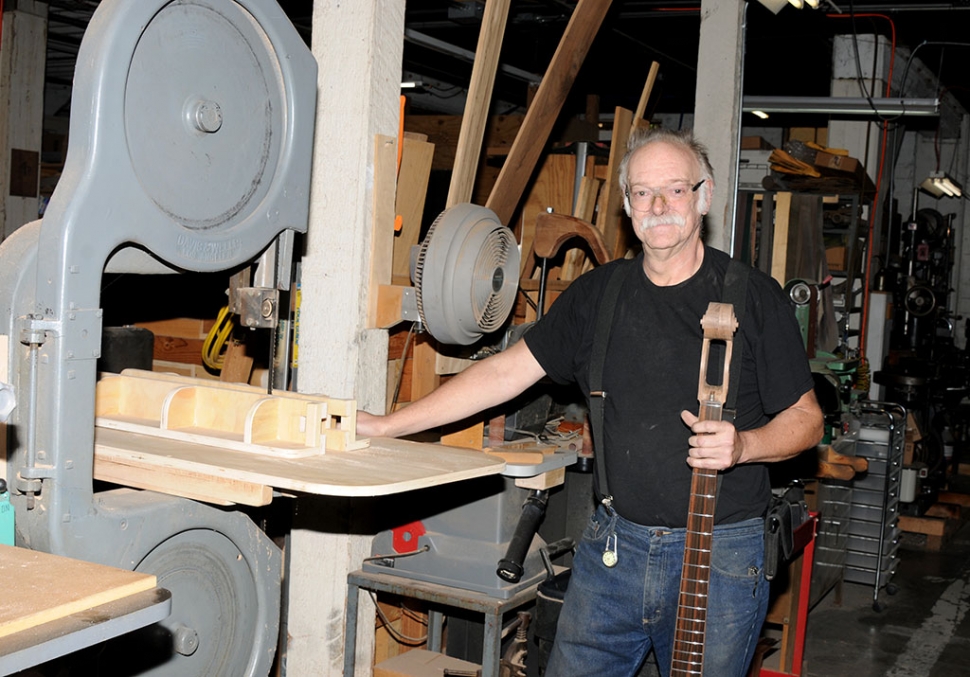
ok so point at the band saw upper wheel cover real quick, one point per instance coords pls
(204, 142)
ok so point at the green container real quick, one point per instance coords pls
(6, 516)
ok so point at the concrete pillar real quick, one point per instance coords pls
(717, 108)
(358, 46)
(23, 57)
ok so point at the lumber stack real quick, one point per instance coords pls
(934, 529)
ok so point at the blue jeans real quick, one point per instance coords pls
(612, 617)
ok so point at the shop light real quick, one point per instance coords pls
(940, 184)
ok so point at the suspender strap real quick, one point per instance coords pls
(597, 396)
(734, 292)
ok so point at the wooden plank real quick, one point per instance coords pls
(954, 497)
(470, 437)
(944, 510)
(182, 327)
(424, 378)
(645, 94)
(932, 526)
(382, 238)
(552, 189)
(412, 189)
(237, 366)
(387, 466)
(177, 349)
(478, 99)
(543, 481)
(390, 298)
(38, 587)
(779, 250)
(442, 131)
(203, 487)
(544, 109)
(517, 456)
(611, 214)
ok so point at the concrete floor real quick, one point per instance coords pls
(923, 631)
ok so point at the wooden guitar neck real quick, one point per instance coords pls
(719, 324)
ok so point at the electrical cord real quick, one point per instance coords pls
(391, 630)
(215, 340)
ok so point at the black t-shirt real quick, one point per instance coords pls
(651, 375)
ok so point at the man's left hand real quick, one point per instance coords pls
(714, 445)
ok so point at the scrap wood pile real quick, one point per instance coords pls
(809, 167)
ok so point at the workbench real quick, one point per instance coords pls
(436, 596)
(53, 606)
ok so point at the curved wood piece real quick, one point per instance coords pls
(553, 230)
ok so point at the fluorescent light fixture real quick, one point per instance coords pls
(837, 105)
(939, 184)
(760, 113)
(411, 85)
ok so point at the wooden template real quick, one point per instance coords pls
(227, 415)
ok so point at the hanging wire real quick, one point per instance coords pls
(394, 632)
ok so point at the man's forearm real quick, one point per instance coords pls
(789, 433)
(485, 384)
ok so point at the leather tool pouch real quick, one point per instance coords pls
(785, 514)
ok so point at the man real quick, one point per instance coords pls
(613, 615)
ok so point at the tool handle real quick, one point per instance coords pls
(510, 567)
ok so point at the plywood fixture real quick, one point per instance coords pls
(230, 415)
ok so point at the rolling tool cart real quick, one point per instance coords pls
(873, 541)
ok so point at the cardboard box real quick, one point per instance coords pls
(842, 163)
(819, 135)
(421, 663)
(755, 143)
(844, 167)
(835, 257)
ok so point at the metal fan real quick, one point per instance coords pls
(465, 274)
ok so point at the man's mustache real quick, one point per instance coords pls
(672, 219)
